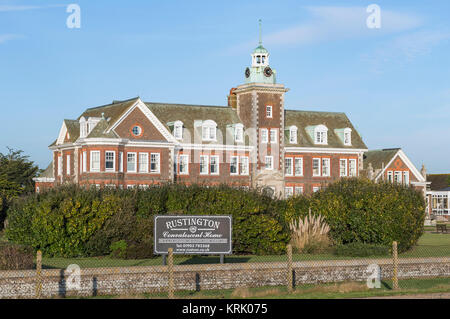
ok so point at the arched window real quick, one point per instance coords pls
(321, 135)
(178, 130)
(239, 133)
(209, 129)
(293, 134)
(348, 136)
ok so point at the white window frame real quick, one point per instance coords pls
(216, 157)
(345, 174)
(156, 156)
(293, 131)
(121, 162)
(315, 189)
(295, 166)
(300, 188)
(92, 168)
(390, 176)
(319, 168)
(60, 166)
(84, 162)
(288, 192)
(269, 111)
(321, 135)
(237, 165)
(178, 130)
(206, 164)
(113, 169)
(209, 131)
(269, 159)
(348, 133)
(181, 157)
(68, 165)
(400, 179)
(328, 166)
(352, 168)
(143, 165)
(243, 165)
(239, 133)
(273, 136)
(264, 135)
(406, 177)
(135, 162)
(291, 171)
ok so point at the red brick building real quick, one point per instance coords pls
(254, 141)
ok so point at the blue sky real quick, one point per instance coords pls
(393, 82)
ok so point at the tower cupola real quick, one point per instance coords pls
(260, 71)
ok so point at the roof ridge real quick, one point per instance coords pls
(117, 102)
(192, 105)
(305, 111)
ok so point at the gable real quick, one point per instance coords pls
(399, 161)
(137, 118)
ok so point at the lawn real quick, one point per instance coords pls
(430, 245)
(309, 291)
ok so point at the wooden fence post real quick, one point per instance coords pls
(395, 266)
(290, 283)
(38, 274)
(171, 277)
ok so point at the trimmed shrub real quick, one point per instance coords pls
(16, 257)
(73, 222)
(359, 210)
(357, 249)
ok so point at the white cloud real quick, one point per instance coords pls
(7, 37)
(8, 8)
(329, 23)
(404, 49)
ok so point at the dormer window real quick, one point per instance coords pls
(293, 134)
(348, 137)
(239, 133)
(83, 127)
(178, 130)
(209, 129)
(321, 135)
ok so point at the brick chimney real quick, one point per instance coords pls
(232, 99)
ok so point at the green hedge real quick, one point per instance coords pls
(70, 221)
(359, 210)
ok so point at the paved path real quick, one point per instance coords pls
(438, 295)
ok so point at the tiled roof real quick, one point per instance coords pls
(439, 181)
(48, 172)
(188, 114)
(331, 120)
(224, 116)
(100, 130)
(112, 112)
(378, 158)
(73, 128)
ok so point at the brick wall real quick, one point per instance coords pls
(153, 279)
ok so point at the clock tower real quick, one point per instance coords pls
(260, 106)
(260, 71)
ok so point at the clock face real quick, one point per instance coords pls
(247, 72)
(268, 71)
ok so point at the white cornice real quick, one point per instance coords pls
(219, 147)
(324, 150)
(44, 179)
